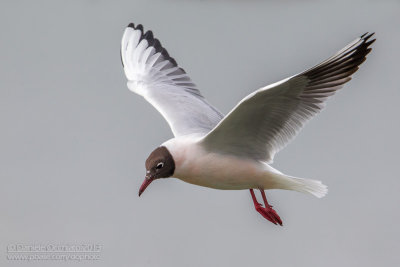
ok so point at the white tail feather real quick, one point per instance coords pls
(309, 186)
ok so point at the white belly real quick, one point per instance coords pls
(196, 166)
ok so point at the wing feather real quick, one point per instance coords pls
(268, 119)
(155, 75)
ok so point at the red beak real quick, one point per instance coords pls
(144, 185)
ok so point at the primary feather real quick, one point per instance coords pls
(265, 121)
(154, 74)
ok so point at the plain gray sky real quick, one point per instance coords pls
(73, 139)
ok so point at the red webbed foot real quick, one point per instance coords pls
(267, 212)
(270, 214)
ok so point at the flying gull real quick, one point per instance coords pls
(233, 151)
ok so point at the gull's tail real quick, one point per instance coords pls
(309, 186)
(313, 187)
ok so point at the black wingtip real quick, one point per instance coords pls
(368, 36)
(173, 61)
(154, 42)
(370, 42)
(148, 36)
(139, 27)
(164, 52)
(157, 45)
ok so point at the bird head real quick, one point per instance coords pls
(159, 164)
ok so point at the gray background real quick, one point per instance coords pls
(73, 139)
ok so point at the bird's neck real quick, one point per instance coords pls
(184, 151)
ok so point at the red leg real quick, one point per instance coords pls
(256, 204)
(267, 212)
(269, 209)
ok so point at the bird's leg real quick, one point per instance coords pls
(267, 212)
(265, 198)
(259, 208)
(256, 204)
(268, 209)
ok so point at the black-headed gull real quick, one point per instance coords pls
(231, 152)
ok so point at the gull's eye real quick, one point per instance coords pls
(159, 165)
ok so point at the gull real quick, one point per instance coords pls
(235, 151)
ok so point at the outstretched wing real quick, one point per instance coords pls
(265, 121)
(153, 74)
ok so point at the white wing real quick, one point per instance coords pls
(266, 120)
(152, 73)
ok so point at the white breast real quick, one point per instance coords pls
(196, 166)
